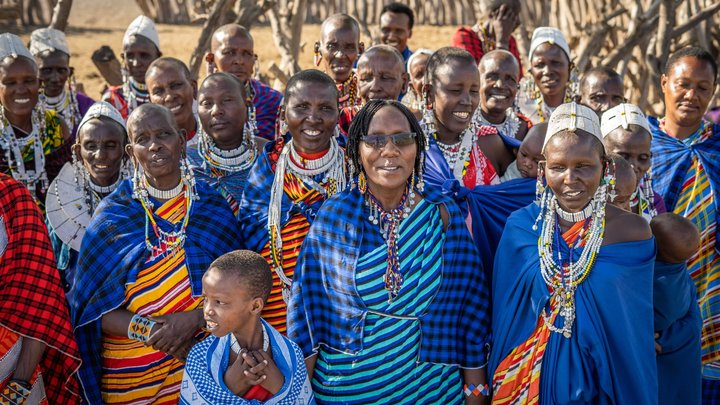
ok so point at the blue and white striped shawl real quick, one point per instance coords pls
(325, 308)
(204, 379)
(113, 251)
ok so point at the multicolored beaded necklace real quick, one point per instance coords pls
(457, 155)
(15, 148)
(347, 91)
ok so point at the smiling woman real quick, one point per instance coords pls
(572, 284)
(378, 257)
(293, 177)
(35, 142)
(337, 51)
(136, 297)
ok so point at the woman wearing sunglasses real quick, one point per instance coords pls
(387, 303)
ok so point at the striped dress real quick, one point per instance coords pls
(696, 203)
(131, 372)
(387, 369)
(293, 233)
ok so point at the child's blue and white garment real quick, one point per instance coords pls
(203, 382)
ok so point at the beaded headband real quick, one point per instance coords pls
(11, 45)
(143, 26)
(102, 109)
(571, 117)
(48, 39)
(549, 35)
(623, 115)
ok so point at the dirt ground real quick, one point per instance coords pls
(94, 23)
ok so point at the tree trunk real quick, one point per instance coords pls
(61, 12)
(220, 8)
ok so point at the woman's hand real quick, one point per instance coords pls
(174, 333)
(504, 23)
(244, 373)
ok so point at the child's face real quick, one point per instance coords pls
(228, 307)
(625, 186)
(634, 146)
(529, 155)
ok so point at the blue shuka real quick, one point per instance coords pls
(113, 251)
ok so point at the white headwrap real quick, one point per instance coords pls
(144, 27)
(48, 39)
(102, 109)
(623, 115)
(11, 45)
(421, 51)
(571, 117)
(549, 35)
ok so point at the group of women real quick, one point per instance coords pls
(409, 261)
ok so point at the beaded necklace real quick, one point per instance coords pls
(135, 94)
(347, 91)
(66, 105)
(458, 157)
(167, 242)
(509, 127)
(389, 222)
(643, 199)
(563, 277)
(14, 147)
(540, 102)
(235, 346)
(332, 165)
(230, 161)
(487, 41)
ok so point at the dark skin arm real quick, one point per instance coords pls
(475, 376)
(310, 365)
(30, 356)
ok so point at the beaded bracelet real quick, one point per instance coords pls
(14, 393)
(477, 390)
(140, 328)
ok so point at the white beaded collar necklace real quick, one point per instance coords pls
(235, 346)
(164, 194)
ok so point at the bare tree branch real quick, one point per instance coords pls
(61, 12)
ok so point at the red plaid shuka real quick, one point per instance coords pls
(32, 302)
(468, 39)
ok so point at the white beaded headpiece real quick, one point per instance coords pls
(623, 115)
(144, 27)
(11, 45)
(549, 35)
(48, 39)
(571, 117)
(102, 109)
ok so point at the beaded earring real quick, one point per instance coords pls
(609, 180)
(317, 58)
(137, 181)
(428, 120)
(420, 174)
(362, 183)
(540, 183)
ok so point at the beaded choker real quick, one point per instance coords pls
(231, 161)
(66, 105)
(134, 93)
(15, 147)
(389, 222)
(347, 91)
(164, 194)
(333, 168)
(574, 216)
(235, 346)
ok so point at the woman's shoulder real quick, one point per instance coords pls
(622, 227)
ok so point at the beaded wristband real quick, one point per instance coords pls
(140, 328)
(477, 390)
(14, 393)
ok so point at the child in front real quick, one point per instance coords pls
(245, 360)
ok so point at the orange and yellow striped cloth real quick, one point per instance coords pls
(133, 373)
(293, 234)
(517, 378)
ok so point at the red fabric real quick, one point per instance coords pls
(346, 116)
(258, 393)
(115, 97)
(468, 39)
(32, 302)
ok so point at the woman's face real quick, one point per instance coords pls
(456, 95)
(498, 80)
(417, 72)
(633, 146)
(311, 113)
(168, 87)
(19, 86)
(54, 71)
(339, 47)
(573, 169)
(157, 146)
(550, 68)
(222, 112)
(387, 168)
(688, 87)
(139, 53)
(100, 147)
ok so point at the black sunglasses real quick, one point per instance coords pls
(379, 141)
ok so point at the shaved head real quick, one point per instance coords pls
(145, 110)
(499, 56)
(228, 30)
(339, 21)
(382, 51)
